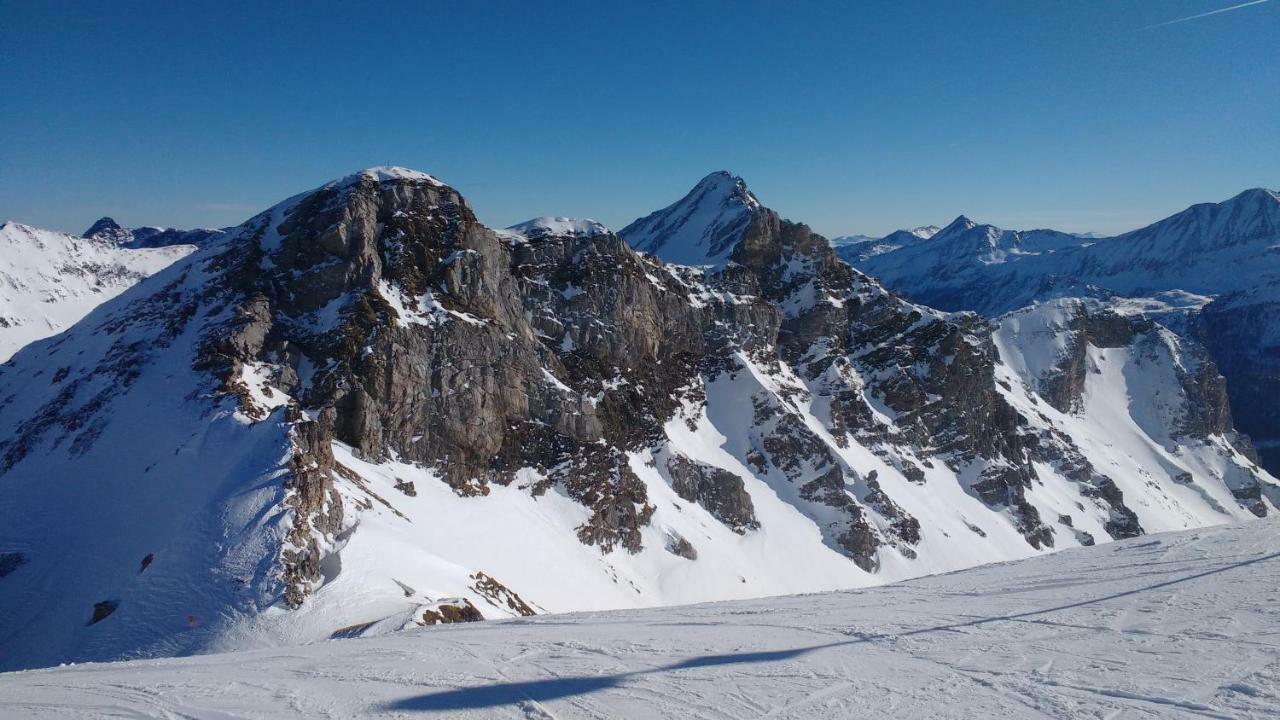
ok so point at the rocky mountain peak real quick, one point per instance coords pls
(961, 224)
(104, 226)
(1261, 196)
(701, 228)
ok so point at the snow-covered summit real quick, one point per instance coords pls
(960, 225)
(702, 227)
(559, 226)
(104, 226)
(387, 173)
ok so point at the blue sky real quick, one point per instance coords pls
(853, 117)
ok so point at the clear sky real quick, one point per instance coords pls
(853, 117)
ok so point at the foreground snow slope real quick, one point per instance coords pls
(1169, 626)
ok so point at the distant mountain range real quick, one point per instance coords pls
(1211, 272)
(861, 247)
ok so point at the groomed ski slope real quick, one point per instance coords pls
(1181, 625)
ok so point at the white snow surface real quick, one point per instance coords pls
(49, 280)
(559, 226)
(1179, 625)
(387, 173)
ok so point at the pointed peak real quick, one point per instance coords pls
(959, 225)
(700, 228)
(724, 184)
(104, 226)
(720, 178)
(1257, 195)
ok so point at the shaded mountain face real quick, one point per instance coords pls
(363, 410)
(1208, 272)
(109, 230)
(50, 280)
(856, 248)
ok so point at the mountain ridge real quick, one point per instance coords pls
(398, 412)
(1209, 271)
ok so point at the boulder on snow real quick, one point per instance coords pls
(451, 610)
(10, 561)
(102, 609)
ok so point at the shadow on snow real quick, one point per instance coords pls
(515, 693)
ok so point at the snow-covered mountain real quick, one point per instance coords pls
(49, 280)
(955, 253)
(1176, 626)
(362, 411)
(702, 228)
(543, 226)
(147, 237)
(855, 248)
(1209, 272)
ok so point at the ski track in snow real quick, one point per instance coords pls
(1181, 625)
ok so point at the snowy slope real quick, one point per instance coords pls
(49, 280)
(702, 227)
(1179, 625)
(362, 405)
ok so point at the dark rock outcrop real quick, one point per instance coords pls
(718, 490)
(451, 611)
(10, 561)
(102, 610)
(500, 595)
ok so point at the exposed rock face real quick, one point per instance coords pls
(1241, 335)
(479, 354)
(716, 489)
(316, 504)
(1104, 329)
(499, 595)
(451, 611)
